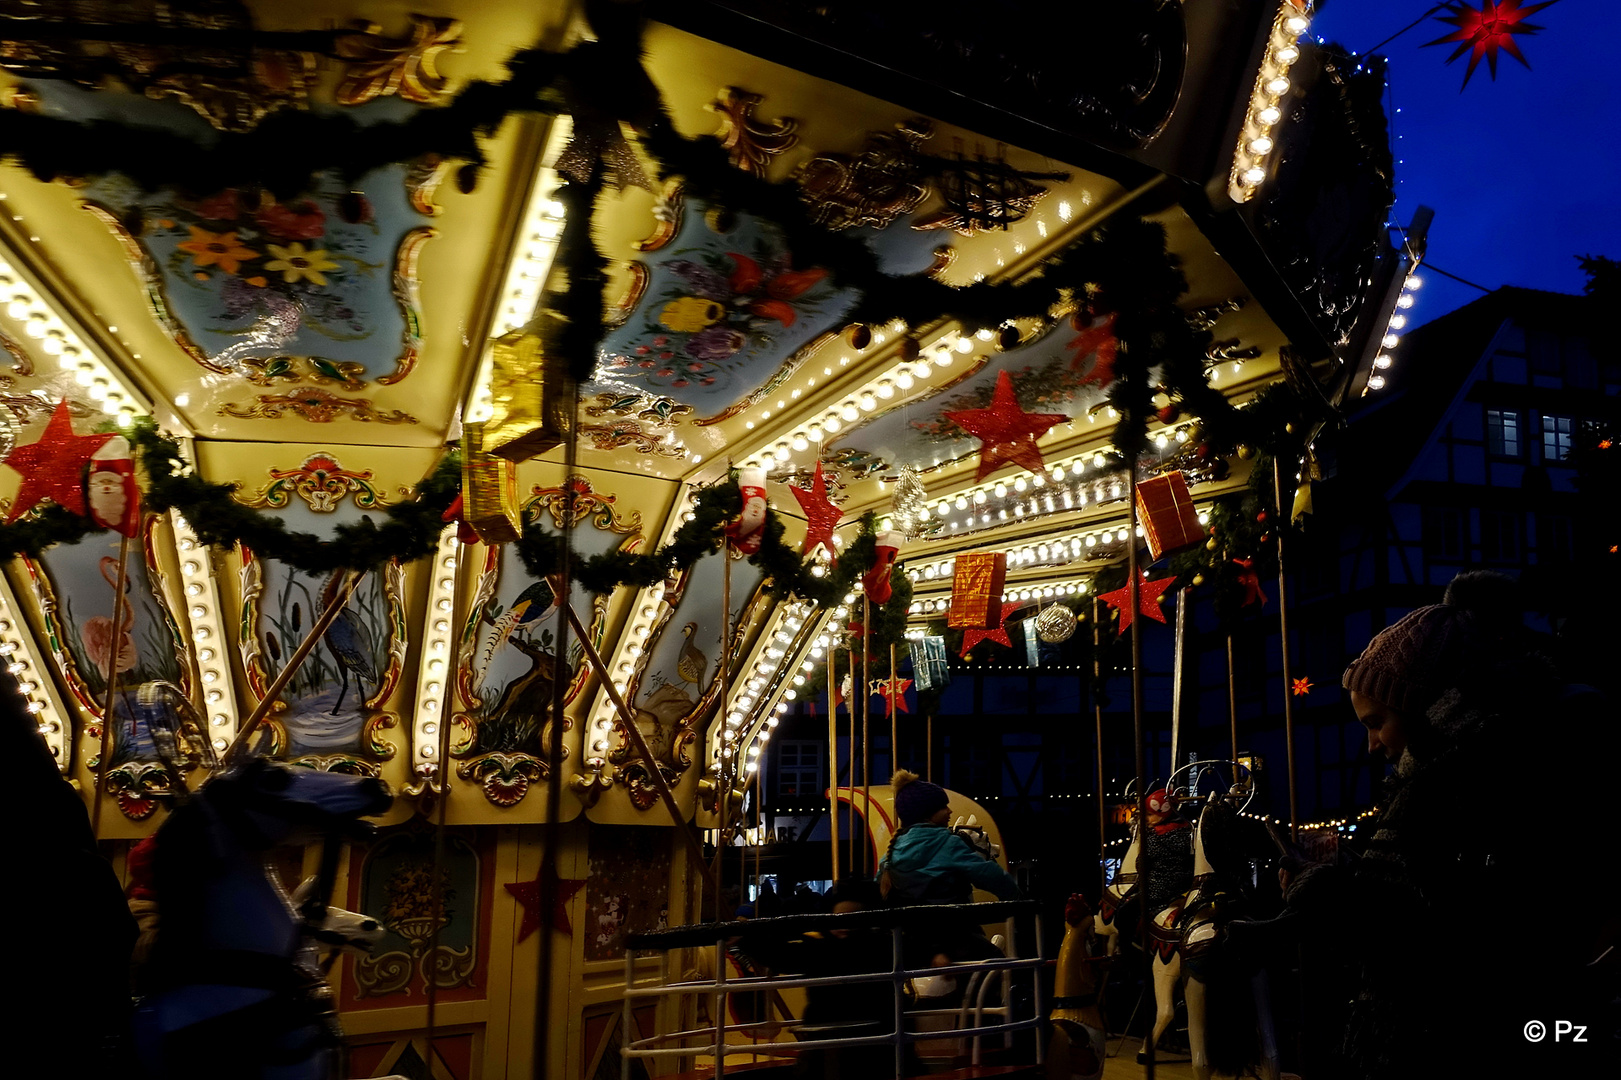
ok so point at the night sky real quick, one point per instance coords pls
(1523, 173)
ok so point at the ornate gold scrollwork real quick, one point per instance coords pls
(750, 142)
(376, 65)
(316, 406)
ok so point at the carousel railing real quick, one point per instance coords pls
(897, 920)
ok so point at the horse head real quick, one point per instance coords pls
(279, 803)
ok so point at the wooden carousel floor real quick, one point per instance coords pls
(1168, 1067)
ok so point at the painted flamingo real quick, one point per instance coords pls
(97, 631)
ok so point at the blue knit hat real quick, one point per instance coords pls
(916, 800)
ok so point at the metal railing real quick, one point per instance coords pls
(896, 920)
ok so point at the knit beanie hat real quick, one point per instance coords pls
(916, 800)
(1411, 663)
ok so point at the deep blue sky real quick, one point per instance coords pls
(1523, 173)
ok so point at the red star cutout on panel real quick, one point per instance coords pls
(528, 896)
(53, 468)
(821, 516)
(1148, 594)
(1095, 338)
(881, 688)
(974, 634)
(1008, 433)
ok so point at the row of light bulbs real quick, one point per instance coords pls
(766, 690)
(25, 307)
(434, 676)
(38, 693)
(650, 606)
(209, 645)
(1398, 322)
(1256, 141)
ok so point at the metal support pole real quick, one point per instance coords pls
(109, 711)
(1097, 716)
(1232, 697)
(1288, 672)
(833, 757)
(1135, 595)
(866, 734)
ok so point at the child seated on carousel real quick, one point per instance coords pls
(929, 863)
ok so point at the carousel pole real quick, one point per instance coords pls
(894, 722)
(1178, 647)
(929, 735)
(833, 758)
(1288, 672)
(1232, 697)
(723, 797)
(107, 717)
(294, 662)
(1097, 741)
(1144, 858)
(850, 804)
(554, 746)
(866, 735)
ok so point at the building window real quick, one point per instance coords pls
(1503, 432)
(1499, 536)
(1558, 437)
(799, 767)
(1444, 532)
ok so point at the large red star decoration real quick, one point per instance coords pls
(821, 516)
(1485, 30)
(528, 896)
(1301, 687)
(973, 635)
(1096, 337)
(53, 468)
(1148, 594)
(881, 687)
(1008, 433)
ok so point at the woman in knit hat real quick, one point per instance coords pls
(930, 864)
(1447, 694)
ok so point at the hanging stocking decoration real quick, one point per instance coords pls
(746, 531)
(115, 501)
(875, 582)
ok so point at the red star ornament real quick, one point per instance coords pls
(528, 896)
(1485, 30)
(821, 516)
(1095, 338)
(1302, 687)
(881, 687)
(1148, 594)
(1008, 433)
(973, 635)
(53, 468)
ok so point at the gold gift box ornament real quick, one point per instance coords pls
(489, 490)
(1166, 510)
(976, 590)
(530, 397)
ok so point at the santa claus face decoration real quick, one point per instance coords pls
(113, 500)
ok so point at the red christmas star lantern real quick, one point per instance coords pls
(821, 516)
(1007, 432)
(1301, 687)
(1148, 596)
(53, 468)
(975, 634)
(1485, 30)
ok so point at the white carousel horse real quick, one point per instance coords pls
(1078, 1046)
(234, 988)
(1191, 937)
(1121, 891)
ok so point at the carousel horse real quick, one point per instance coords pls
(1121, 892)
(233, 985)
(1229, 1009)
(1079, 1035)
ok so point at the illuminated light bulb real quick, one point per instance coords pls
(1269, 115)
(831, 423)
(1398, 322)
(1413, 282)
(1091, 541)
(1296, 24)
(850, 413)
(1405, 300)
(1391, 341)
(868, 402)
(1383, 360)
(904, 379)
(886, 389)
(1261, 144)
(813, 433)
(964, 345)
(1019, 484)
(1280, 85)
(800, 442)
(1001, 491)
(1288, 54)
(1376, 382)
(1254, 174)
